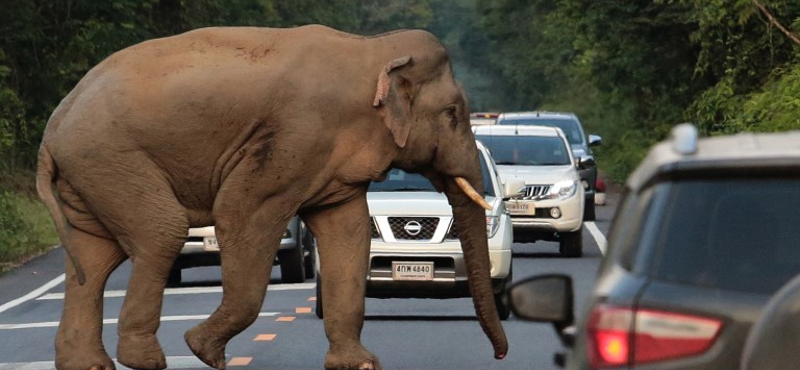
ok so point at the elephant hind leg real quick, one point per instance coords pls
(248, 247)
(79, 343)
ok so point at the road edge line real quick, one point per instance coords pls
(33, 294)
(598, 236)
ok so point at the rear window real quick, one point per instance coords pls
(570, 126)
(732, 234)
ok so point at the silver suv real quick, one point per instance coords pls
(552, 206)
(581, 146)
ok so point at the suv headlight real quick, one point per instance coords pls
(492, 225)
(564, 189)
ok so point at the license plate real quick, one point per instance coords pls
(210, 244)
(521, 208)
(419, 271)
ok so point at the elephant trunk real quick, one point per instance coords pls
(470, 222)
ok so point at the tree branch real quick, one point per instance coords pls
(774, 21)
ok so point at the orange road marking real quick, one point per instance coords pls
(302, 310)
(264, 337)
(312, 299)
(240, 361)
(286, 318)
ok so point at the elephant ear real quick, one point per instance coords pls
(394, 97)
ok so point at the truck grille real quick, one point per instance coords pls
(536, 191)
(452, 233)
(413, 228)
(374, 228)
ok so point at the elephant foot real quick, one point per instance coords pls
(85, 361)
(81, 353)
(208, 350)
(355, 357)
(141, 352)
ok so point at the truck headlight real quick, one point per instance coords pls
(564, 189)
(492, 225)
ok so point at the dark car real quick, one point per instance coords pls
(580, 143)
(706, 232)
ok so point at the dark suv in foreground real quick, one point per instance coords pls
(706, 232)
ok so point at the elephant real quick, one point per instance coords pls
(242, 128)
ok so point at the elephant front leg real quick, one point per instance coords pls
(343, 239)
(247, 251)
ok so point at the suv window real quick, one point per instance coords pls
(570, 126)
(527, 150)
(399, 180)
(734, 234)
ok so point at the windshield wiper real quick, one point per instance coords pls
(410, 188)
(505, 162)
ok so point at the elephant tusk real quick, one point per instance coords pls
(471, 193)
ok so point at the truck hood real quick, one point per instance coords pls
(413, 203)
(534, 175)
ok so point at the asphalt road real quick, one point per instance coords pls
(404, 333)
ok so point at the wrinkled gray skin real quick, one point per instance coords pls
(243, 128)
(774, 341)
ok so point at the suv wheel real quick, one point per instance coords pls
(318, 308)
(503, 310)
(292, 264)
(309, 250)
(571, 244)
(588, 210)
(174, 276)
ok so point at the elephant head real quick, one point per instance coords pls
(427, 113)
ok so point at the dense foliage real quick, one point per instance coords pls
(633, 69)
(630, 69)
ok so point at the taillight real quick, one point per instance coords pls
(622, 336)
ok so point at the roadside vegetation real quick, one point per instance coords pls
(630, 69)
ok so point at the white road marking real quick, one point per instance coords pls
(189, 290)
(598, 236)
(173, 362)
(35, 293)
(53, 324)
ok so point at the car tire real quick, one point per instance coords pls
(174, 277)
(309, 259)
(571, 244)
(292, 264)
(503, 309)
(318, 308)
(589, 210)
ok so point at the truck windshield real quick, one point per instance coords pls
(527, 150)
(399, 180)
(570, 126)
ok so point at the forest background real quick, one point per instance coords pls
(630, 69)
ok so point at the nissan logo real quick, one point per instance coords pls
(412, 228)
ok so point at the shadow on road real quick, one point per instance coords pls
(418, 318)
(537, 255)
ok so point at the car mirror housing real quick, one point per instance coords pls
(585, 162)
(543, 298)
(513, 188)
(595, 140)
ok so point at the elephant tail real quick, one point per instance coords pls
(46, 173)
